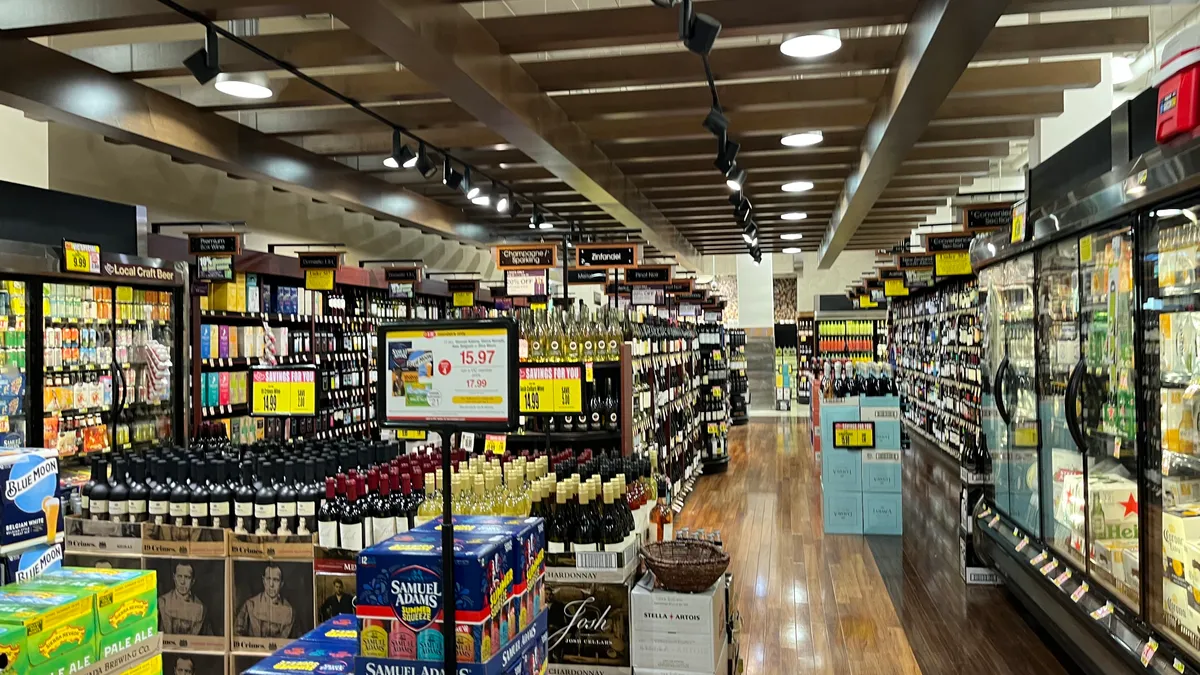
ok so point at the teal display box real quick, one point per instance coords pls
(841, 470)
(836, 412)
(842, 511)
(884, 411)
(883, 513)
(881, 471)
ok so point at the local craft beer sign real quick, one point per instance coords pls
(526, 257)
(619, 256)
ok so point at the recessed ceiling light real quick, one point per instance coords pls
(791, 236)
(798, 186)
(803, 139)
(791, 249)
(794, 215)
(244, 85)
(545, 226)
(812, 45)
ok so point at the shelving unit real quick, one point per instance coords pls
(739, 385)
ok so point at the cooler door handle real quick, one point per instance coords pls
(1072, 402)
(998, 390)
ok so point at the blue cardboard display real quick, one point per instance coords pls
(842, 512)
(841, 469)
(881, 471)
(883, 513)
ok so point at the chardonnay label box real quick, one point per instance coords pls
(589, 626)
(722, 666)
(677, 631)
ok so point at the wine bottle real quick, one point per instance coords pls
(180, 500)
(328, 517)
(611, 406)
(350, 529)
(243, 502)
(118, 496)
(160, 496)
(265, 503)
(307, 500)
(586, 537)
(85, 493)
(198, 497)
(220, 498)
(383, 521)
(139, 494)
(558, 540)
(285, 500)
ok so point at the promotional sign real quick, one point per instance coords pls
(1019, 231)
(578, 276)
(402, 275)
(613, 256)
(462, 291)
(399, 291)
(214, 268)
(865, 302)
(461, 372)
(952, 255)
(283, 392)
(893, 282)
(921, 278)
(525, 282)
(214, 244)
(649, 274)
(527, 257)
(854, 435)
(319, 280)
(647, 296)
(555, 389)
(987, 217)
(689, 310)
(79, 257)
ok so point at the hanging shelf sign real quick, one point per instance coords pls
(952, 254)
(582, 276)
(527, 257)
(987, 217)
(462, 291)
(79, 257)
(613, 256)
(649, 275)
(200, 243)
(319, 269)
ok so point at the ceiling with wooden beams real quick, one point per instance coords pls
(595, 112)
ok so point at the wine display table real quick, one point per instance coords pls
(860, 465)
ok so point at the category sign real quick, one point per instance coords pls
(84, 258)
(402, 275)
(551, 389)
(987, 217)
(649, 274)
(680, 286)
(917, 261)
(854, 435)
(456, 372)
(319, 280)
(1019, 232)
(525, 282)
(647, 296)
(952, 255)
(618, 256)
(283, 392)
(582, 276)
(527, 257)
(893, 282)
(320, 260)
(214, 244)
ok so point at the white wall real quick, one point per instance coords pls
(756, 295)
(811, 282)
(24, 149)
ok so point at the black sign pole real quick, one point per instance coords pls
(449, 595)
(566, 276)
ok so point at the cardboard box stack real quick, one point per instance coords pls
(862, 487)
(679, 633)
(328, 649)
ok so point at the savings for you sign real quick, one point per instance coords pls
(458, 372)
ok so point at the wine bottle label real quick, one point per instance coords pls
(286, 509)
(118, 507)
(264, 511)
(84, 501)
(351, 536)
(402, 524)
(179, 510)
(218, 509)
(612, 347)
(556, 547)
(596, 417)
(327, 534)
(588, 346)
(243, 509)
(554, 345)
(137, 507)
(198, 510)
(585, 548)
(572, 346)
(159, 508)
(306, 509)
(384, 528)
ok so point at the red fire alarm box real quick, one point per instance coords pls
(1178, 82)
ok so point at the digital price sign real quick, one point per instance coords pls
(283, 392)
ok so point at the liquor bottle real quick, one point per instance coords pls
(139, 494)
(99, 475)
(328, 517)
(307, 500)
(383, 521)
(613, 524)
(220, 497)
(587, 532)
(198, 496)
(118, 496)
(558, 538)
(243, 501)
(181, 498)
(265, 503)
(350, 522)
(662, 518)
(611, 406)
(596, 417)
(159, 501)
(285, 500)
(409, 502)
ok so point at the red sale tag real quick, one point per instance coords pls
(1062, 578)
(1103, 611)
(1148, 651)
(1022, 544)
(1079, 592)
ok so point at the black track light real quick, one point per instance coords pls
(536, 219)
(450, 178)
(424, 165)
(735, 198)
(717, 123)
(743, 211)
(504, 203)
(466, 186)
(736, 178)
(402, 155)
(702, 33)
(750, 233)
(205, 63)
(514, 206)
(483, 198)
(727, 152)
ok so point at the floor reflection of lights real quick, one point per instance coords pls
(799, 593)
(760, 587)
(794, 635)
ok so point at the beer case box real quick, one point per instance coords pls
(521, 657)
(401, 580)
(60, 630)
(883, 513)
(30, 479)
(275, 664)
(122, 598)
(25, 564)
(1109, 555)
(842, 511)
(722, 667)
(677, 631)
(1178, 604)
(841, 469)
(1180, 491)
(881, 471)
(591, 625)
(342, 628)
(318, 650)
(1180, 525)
(153, 665)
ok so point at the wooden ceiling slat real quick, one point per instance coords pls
(47, 18)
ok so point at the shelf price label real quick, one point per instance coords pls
(495, 444)
(464, 298)
(284, 392)
(854, 435)
(411, 434)
(318, 280)
(953, 263)
(1148, 651)
(1079, 592)
(84, 258)
(550, 390)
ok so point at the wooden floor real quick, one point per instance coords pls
(848, 605)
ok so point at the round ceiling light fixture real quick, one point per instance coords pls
(794, 215)
(791, 236)
(798, 186)
(804, 139)
(812, 45)
(791, 249)
(245, 85)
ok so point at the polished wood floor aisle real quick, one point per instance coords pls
(816, 604)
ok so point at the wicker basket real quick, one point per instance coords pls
(685, 565)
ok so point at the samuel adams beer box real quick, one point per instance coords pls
(30, 500)
(400, 595)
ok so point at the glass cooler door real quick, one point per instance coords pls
(1063, 488)
(77, 353)
(995, 429)
(143, 323)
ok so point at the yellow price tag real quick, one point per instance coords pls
(495, 444)
(83, 258)
(537, 306)
(713, 428)
(853, 435)
(954, 263)
(464, 298)
(535, 396)
(304, 398)
(779, 380)
(284, 392)
(591, 373)
(412, 434)
(318, 280)
(1085, 249)
(716, 392)
(894, 287)
(569, 396)
(1026, 437)
(269, 398)
(1018, 225)
(865, 302)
